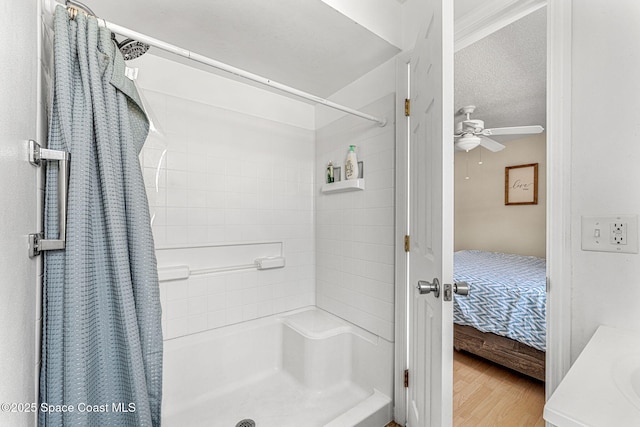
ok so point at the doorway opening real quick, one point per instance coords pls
(500, 227)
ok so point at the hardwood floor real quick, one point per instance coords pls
(488, 395)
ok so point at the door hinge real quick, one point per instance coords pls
(548, 287)
(407, 107)
(407, 243)
(406, 378)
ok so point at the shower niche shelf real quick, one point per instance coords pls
(343, 186)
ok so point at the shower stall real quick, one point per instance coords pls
(288, 345)
(304, 367)
(277, 293)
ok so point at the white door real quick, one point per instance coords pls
(431, 220)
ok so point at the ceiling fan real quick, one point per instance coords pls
(470, 133)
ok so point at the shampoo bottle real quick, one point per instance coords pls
(351, 164)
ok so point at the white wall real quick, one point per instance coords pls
(414, 15)
(234, 172)
(482, 221)
(243, 171)
(378, 16)
(605, 173)
(19, 309)
(355, 230)
(364, 91)
(235, 165)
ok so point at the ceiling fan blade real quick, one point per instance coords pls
(516, 130)
(490, 144)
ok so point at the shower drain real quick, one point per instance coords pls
(246, 423)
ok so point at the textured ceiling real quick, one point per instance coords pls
(305, 44)
(504, 75)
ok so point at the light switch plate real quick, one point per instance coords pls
(610, 233)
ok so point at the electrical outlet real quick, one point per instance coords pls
(610, 234)
(618, 233)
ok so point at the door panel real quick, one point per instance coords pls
(431, 220)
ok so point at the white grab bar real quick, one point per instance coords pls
(182, 272)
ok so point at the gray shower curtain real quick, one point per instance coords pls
(101, 338)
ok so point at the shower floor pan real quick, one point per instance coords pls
(306, 368)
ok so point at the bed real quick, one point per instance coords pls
(503, 317)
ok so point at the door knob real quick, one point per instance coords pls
(425, 287)
(461, 288)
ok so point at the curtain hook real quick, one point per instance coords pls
(73, 12)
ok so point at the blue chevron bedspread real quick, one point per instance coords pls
(507, 295)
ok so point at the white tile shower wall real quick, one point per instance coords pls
(215, 300)
(218, 176)
(355, 230)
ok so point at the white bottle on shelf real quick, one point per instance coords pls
(351, 164)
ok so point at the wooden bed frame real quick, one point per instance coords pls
(501, 350)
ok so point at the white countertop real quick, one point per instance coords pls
(597, 390)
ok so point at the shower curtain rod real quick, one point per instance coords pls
(50, 6)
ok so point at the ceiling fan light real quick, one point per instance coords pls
(467, 142)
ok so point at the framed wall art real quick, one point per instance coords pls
(521, 184)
